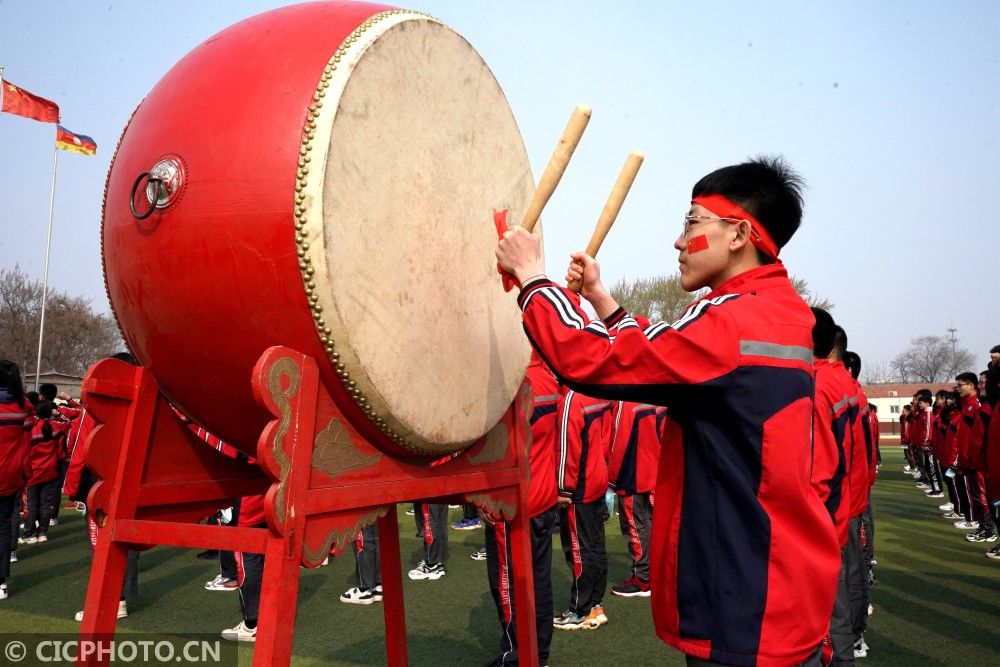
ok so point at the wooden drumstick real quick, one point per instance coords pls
(611, 207)
(557, 164)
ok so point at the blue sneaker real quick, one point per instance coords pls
(467, 524)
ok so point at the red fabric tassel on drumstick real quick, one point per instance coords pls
(509, 281)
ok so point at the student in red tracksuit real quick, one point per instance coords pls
(969, 439)
(583, 428)
(250, 574)
(637, 430)
(831, 467)
(739, 534)
(992, 456)
(944, 406)
(904, 439)
(921, 433)
(16, 420)
(43, 487)
(975, 460)
(543, 516)
(857, 583)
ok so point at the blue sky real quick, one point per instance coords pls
(889, 110)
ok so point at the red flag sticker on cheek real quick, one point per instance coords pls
(697, 244)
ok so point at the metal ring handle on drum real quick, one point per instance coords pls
(135, 186)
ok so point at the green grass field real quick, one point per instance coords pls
(937, 601)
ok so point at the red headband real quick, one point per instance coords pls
(724, 208)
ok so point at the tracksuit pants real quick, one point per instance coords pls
(930, 469)
(6, 532)
(227, 559)
(432, 525)
(964, 493)
(635, 516)
(856, 575)
(841, 634)
(499, 568)
(581, 531)
(366, 557)
(250, 575)
(42, 499)
(981, 508)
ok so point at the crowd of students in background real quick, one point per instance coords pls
(951, 441)
(582, 449)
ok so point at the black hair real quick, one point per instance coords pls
(126, 357)
(48, 391)
(995, 349)
(33, 397)
(852, 361)
(971, 378)
(767, 188)
(925, 396)
(907, 407)
(822, 333)
(942, 393)
(839, 342)
(44, 412)
(10, 379)
(873, 407)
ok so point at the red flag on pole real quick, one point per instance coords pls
(22, 103)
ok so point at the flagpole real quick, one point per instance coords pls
(45, 277)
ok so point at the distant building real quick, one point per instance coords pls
(890, 399)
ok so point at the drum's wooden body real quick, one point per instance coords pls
(332, 172)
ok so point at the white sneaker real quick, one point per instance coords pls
(53, 522)
(947, 507)
(240, 633)
(871, 610)
(967, 525)
(13, 556)
(860, 648)
(425, 571)
(42, 538)
(358, 596)
(221, 583)
(377, 593)
(122, 611)
(4, 593)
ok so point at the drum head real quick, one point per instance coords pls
(414, 147)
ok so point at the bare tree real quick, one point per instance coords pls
(663, 299)
(931, 359)
(75, 336)
(876, 371)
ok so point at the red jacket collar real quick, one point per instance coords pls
(757, 278)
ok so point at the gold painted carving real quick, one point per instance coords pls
(340, 539)
(334, 452)
(492, 506)
(282, 399)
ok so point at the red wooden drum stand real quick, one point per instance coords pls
(323, 484)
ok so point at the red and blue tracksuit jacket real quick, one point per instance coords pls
(16, 422)
(966, 425)
(583, 432)
(542, 492)
(744, 558)
(861, 448)
(636, 432)
(832, 443)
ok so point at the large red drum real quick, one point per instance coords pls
(323, 177)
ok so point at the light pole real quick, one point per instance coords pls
(952, 330)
